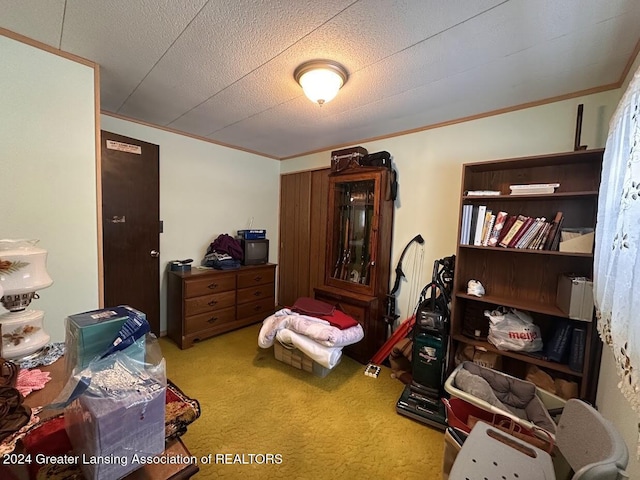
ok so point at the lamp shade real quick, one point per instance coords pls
(22, 267)
(321, 79)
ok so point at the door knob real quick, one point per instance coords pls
(154, 253)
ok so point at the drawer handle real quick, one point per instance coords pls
(212, 303)
(212, 320)
(258, 278)
(257, 293)
(257, 308)
(213, 285)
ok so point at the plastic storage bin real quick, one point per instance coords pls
(297, 359)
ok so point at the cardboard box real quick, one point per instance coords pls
(575, 297)
(89, 334)
(121, 417)
(576, 240)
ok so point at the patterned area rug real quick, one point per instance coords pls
(180, 411)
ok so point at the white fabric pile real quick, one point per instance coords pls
(314, 337)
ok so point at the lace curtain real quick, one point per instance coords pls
(617, 254)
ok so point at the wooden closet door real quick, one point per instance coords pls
(318, 232)
(303, 214)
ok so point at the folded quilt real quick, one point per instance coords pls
(340, 320)
(326, 356)
(315, 328)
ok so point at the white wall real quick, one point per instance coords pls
(429, 166)
(206, 190)
(429, 171)
(48, 172)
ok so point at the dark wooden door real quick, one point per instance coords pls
(131, 225)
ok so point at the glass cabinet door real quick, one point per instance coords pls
(352, 232)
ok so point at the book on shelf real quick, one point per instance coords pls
(501, 217)
(555, 227)
(534, 191)
(487, 216)
(558, 345)
(555, 245)
(473, 224)
(506, 227)
(533, 188)
(576, 352)
(477, 236)
(467, 211)
(528, 186)
(515, 226)
(545, 234)
(481, 193)
(462, 220)
(555, 241)
(510, 231)
(526, 238)
(528, 221)
(467, 232)
(529, 236)
(485, 225)
(538, 241)
(487, 234)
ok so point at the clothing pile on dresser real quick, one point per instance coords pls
(224, 253)
(315, 328)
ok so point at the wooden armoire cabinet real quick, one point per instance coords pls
(303, 233)
(358, 251)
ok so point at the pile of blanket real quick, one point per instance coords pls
(320, 337)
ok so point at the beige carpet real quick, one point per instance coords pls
(343, 426)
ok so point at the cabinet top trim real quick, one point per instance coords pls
(198, 271)
(536, 161)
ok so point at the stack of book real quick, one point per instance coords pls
(534, 188)
(483, 227)
(477, 223)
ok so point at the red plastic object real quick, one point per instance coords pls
(401, 332)
(459, 411)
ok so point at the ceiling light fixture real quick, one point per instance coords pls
(321, 79)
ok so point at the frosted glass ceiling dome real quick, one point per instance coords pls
(321, 79)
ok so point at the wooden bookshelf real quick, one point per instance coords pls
(527, 279)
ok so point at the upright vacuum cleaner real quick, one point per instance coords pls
(420, 400)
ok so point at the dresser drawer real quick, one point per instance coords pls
(263, 307)
(256, 293)
(195, 287)
(204, 321)
(209, 303)
(256, 277)
(205, 303)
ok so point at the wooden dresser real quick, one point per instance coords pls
(205, 303)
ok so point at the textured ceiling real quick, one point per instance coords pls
(223, 69)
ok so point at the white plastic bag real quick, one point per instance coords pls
(513, 330)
